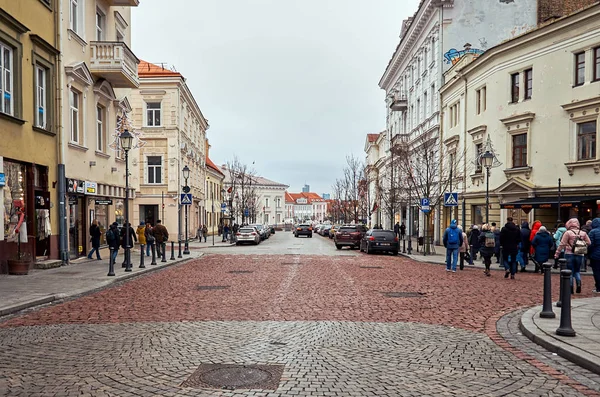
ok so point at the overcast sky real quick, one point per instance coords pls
(288, 84)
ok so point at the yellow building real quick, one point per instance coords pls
(214, 196)
(29, 125)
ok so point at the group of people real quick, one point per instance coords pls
(515, 246)
(149, 238)
(400, 230)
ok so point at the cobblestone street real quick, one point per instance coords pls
(341, 325)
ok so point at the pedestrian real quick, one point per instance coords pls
(497, 251)
(150, 240)
(542, 244)
(112, 239)
(575, 242)
(95, 239)
(586, 228)
(132, 238)
(560, 230)
(525, 245)
(199, 233)
(453, 239)
(141, 235)
(510, 238)
(487, 242)
(161, 236)
(464, 248)
(225, 232)
(474, 242)
(594, 253)
(534, 229)
(402, 230)
(397, 229)
(220, 229)
(204, 232)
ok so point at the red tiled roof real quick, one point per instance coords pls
(147, 69)
(372, 137)
(310, 197)
(213, 166)
(288, 198)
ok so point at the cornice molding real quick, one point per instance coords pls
(12, 22)
(39, 41)
(526, 117)
(582, 104)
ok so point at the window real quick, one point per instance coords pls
(454, 114)
(6, 79)
(481, 100)
(586, 141)
(153, 114)
(432, 97)
(519, 150)
(100, 141)
(267, 202)
(40, 97)
(74, 105)
(74, 16)
(580, 68)
(477, 214)
(425, 58)
(425, 104)
(154, 169)
(514, 88)
(597, 64)
(418, 111)
(528, 83)
(478, 151)
(100, 23)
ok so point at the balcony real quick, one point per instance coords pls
(123, 3)
(114, 61)
(399, 104)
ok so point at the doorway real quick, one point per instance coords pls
(77, 229)
(149, 214)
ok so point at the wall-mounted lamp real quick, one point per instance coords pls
(92, 163)
(113, 169)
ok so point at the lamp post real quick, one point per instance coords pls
(126, 144)
(186, 189)
(558, 221)
(487, 159)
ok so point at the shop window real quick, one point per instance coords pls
(519, 150)
(580, 68)
(586, 140)
(14, 189)
(6, 79)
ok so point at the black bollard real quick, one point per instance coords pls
(111, 263)
(163, 248)
(565, 328)
(153, 247)
(409, 249)
(547, 307)
(403, 245)
(179, 256)
(172, 251)
(142, 259)
(563, 265)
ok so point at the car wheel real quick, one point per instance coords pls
(395, 253)
(310, 236)
(237, 243)
(338, 247)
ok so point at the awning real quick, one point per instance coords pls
(549, 202)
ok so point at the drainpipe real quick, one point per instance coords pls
(61, 174)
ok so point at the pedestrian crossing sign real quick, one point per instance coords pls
(186, 199)
(450, 199)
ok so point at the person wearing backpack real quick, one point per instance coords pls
(487, 244)
(575, 243)
(112, 239)
(560, 230)
(542, 244)
(594, 252)
(452, 240)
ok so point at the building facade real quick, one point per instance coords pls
(306, 207)
(213, 211)
(30, 129)
(173, 131)
(544, 136)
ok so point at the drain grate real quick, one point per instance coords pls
(211, 287)
(68, 273)
(371, 267)
(232, 376)
(276, 343)
(404, 294)
(240, 271)
(290, 263)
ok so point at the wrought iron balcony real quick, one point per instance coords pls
(115, 62)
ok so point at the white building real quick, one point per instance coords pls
(306, 206)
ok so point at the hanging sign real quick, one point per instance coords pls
(91, 188)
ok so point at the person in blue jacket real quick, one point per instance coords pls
(452, 240)
(542, 244)
(594, 252)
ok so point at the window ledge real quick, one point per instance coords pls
(519, 170)
(477, 177)
(102, 154)
(48, 6)
(583, 164)
(77, 146)
(119, 160)
(74, 35)
(43, 131)
(14, 119)
(152, 184)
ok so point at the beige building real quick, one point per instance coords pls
(213, 214)
(174, 134)
(534, 103)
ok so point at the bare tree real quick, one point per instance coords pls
(353, 174)
(242, 190)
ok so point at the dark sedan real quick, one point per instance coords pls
(379, 240)
(349, 235)
(303, 230)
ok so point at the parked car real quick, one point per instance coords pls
(272, 228)
(349, 236)
(379, 240)
(325, 230)
(247, 235)
(261, 230)
(303, 230)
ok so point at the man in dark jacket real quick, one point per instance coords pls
(397, 229)
(525, 243)
(594, 252)
(496, 231)
(510, 237)
(474, 242)
(113, 240)
(161, 235)
(132, 238)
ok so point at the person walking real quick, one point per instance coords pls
(560, 230)
(594, 253)
(132, 239)
(204, 232)
(112, 239)
(525, 245)
(586, 228)
(575, 243)
(150, 240)
(225, 232)
(220, 229)
(474, 242)
(199, 233)
(510, 237)
(542, 245)
(487, 242)
(453, 239)
(497, 251)
(141, 235)
(161, 235)
(402, 230)
(397, 229)
(464, 248)
(95, 239)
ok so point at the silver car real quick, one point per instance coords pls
(247, 235)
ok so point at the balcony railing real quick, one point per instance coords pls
(115, 62)
(399, 104)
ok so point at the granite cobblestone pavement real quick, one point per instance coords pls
(348, 325)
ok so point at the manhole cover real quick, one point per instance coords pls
(240, 271)
(371, 267)
(276, 343)
(403, 294)
(231, 377)
(211, 287)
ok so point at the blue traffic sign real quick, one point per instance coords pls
(186, 199)
(2, 179)
(450, 199)
(223, 205)
(425, 205)
(246, 212)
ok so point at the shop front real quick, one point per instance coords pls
(546, 209)
(77, 222)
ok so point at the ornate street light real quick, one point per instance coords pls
(126, 144)
(186, 189)
(487, 160)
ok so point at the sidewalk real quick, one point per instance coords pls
(81, 276)
(583, 349)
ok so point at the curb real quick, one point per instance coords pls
(576, 358)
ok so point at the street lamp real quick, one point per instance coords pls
(186, 189)
(487, 159)
(126, 144)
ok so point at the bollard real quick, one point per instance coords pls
(409, 249)
(563, 265)
(565, 328)
(547, 307)
(403, 245)
(179, 256)
(142, 258)
(153, 254)
(111, 263)
(172, 251)
(163, 248)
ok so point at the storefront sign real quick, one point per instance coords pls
(72, 200)
(75, 186)
(2, 179)
(103, 202)
(91, 188)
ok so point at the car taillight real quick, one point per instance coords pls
(310, 228)
(299, 228)
(371, 238)
(238, 234)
